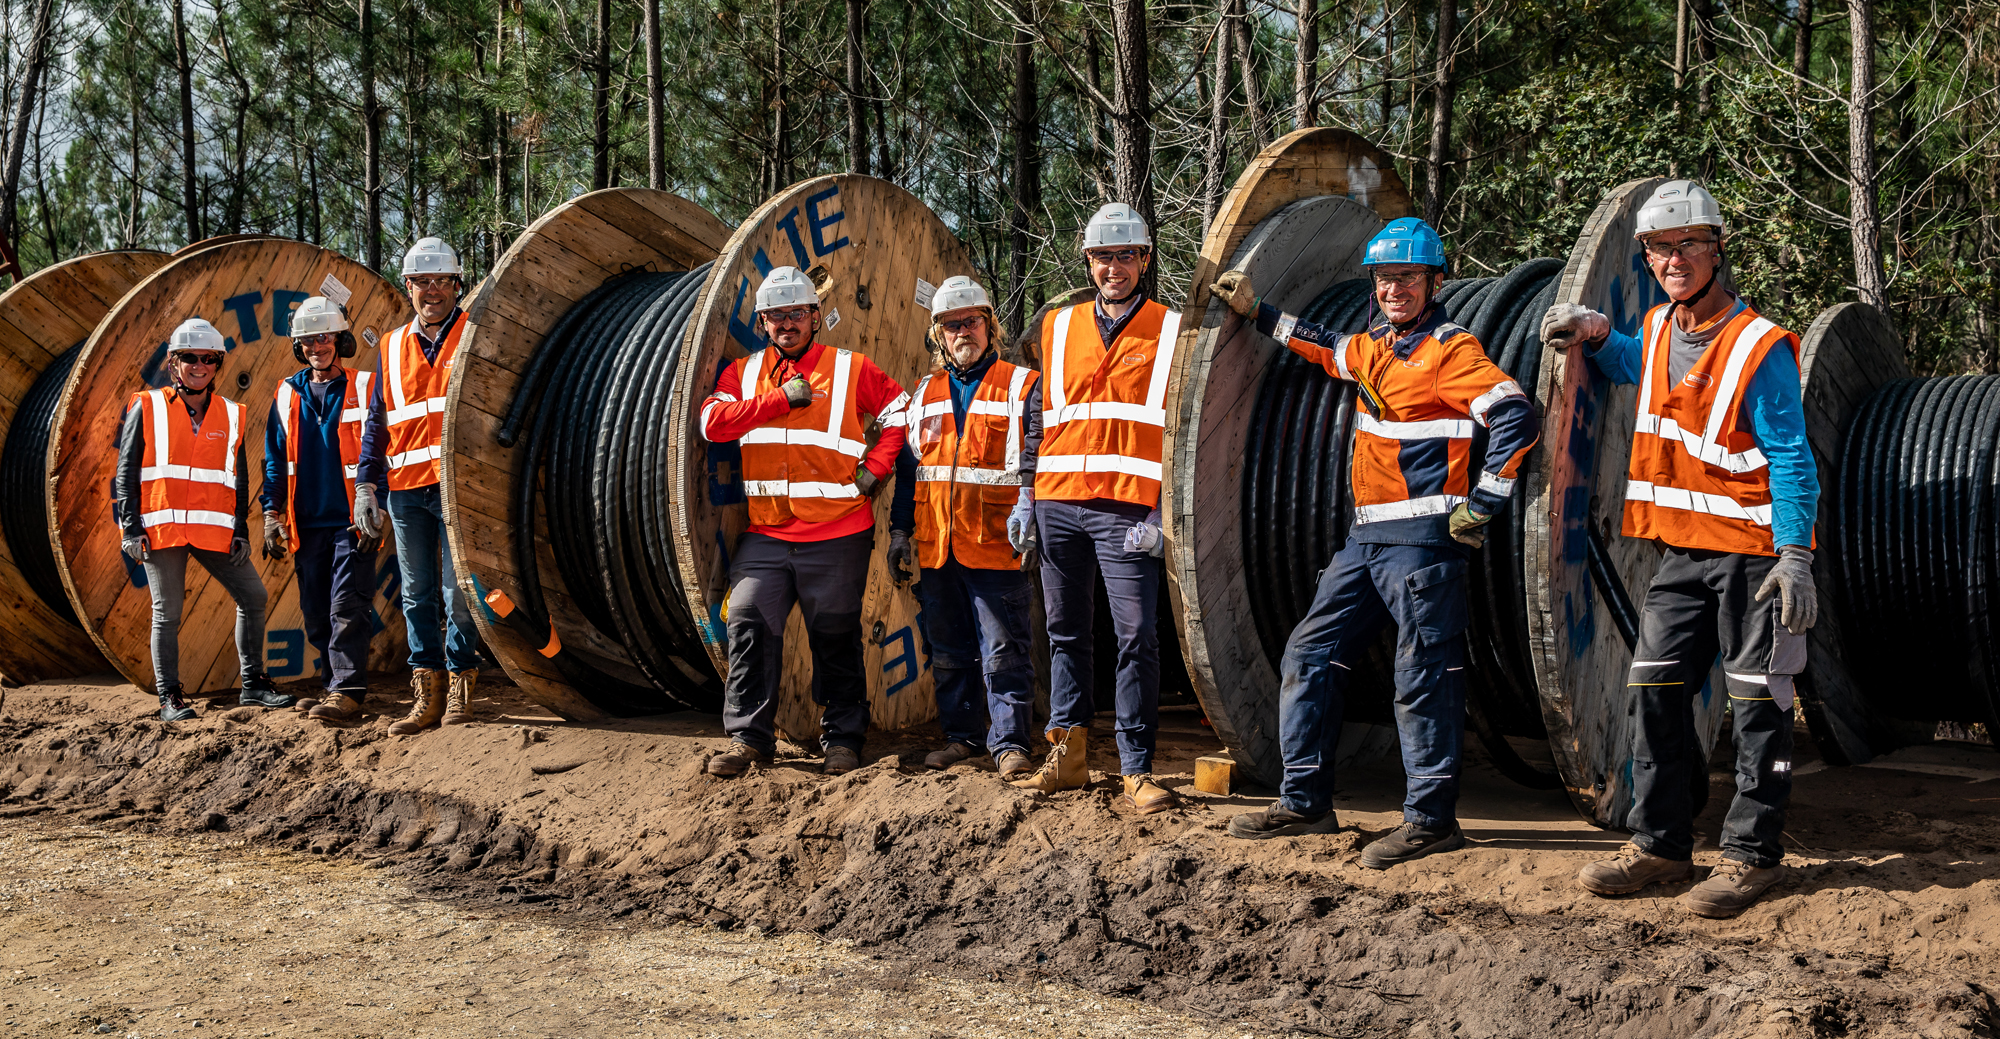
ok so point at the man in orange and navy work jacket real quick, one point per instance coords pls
(1425, 385)
(1723, 480)
(800, 411)
(965, 489)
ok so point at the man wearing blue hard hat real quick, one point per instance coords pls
(1425, 385)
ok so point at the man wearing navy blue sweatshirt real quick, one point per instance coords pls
(1722, 479)
(317, 446)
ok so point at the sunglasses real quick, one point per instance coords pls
(211, 360)
(321, 339)
(1108, 256)
(962, 325)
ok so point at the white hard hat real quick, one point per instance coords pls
(1114, 225)
(1677, 204)
(195, 334)
(318, 314)
(786, 287)
(431, 256)
(957, 293)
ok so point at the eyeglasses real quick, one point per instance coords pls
(1406, 280)
(211, 360)
(794, 316)
(1686, 248)
(961, 325)
(430, 281)
(321, 339)
(1106, 257)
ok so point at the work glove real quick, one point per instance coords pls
(900, 556)
(1791, 580)
(798, 391)
(239, 552)
(866, 480)
(274, 536)
(1144, 536)
(1567, 323)
(1468, 525)
(1021, 523)
(368, 518)
(136, 548)
(1234, 290)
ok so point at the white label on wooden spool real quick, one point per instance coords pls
(832, 319)
(374, 338)
(924, 292)
(332, 289)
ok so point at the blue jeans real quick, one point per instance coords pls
(1078, 539)
(1422, 590)
(425, 556)
(976, 623)
(336, 596)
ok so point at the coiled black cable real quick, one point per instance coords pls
(24, 509)
(1918, 540)
(595, 399)
(1296, 511)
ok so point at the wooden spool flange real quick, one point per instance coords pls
(1850, 351)
(557, 261)
(1576, 492)
(883, 249)
(1297, 220)
(41, 318)
(247, 286)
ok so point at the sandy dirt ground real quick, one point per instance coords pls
(534, 836)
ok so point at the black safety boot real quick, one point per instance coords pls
(259, 692)
(1410, 841)
(174, 706)
(1277, 821)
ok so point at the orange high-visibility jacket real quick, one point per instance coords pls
(413, 398)
(801, 463)
(1697, 478)
(187, 486)
(968, 481)
(353, 413)
(1104, 408)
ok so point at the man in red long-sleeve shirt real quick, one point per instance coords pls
(800, 409)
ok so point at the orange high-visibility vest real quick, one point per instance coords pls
(801, 464)
(187, 488)
(413, 396)
(1104, 409)
(353, 412)
(967, 482)
(1697, 478)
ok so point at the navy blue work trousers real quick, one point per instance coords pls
(1078, 539)
(976, 623)
(336, 596)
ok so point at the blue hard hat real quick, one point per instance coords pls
(1406, 240)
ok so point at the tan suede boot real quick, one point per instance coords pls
(426, 702)
(339, 707)
(1146, 796)
(1065, 768)
(458, 698)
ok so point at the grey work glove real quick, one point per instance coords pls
(1791, 580)
(274, 536)
(136, 548)
(1021, 523)
(866, 480)
(900, 557)
(368, 518)
(239, 552)
(1567, 323)
(798, 391)
(1234, 290)
(1468, 525)
(1146, 536)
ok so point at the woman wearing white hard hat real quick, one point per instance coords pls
(183, 489)
(1723, 480)
(965, 492)
(315, 456)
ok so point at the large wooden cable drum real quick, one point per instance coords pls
(247, 287)
(881, 251)
(44, 321)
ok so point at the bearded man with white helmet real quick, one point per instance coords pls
(183, 489)
(1722, 479)
(800, 410)
(1097, 504)
(406, 417)
(965, 490)
(316, 455)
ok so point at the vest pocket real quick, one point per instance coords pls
(1437, 601)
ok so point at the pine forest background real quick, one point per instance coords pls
(1853, 144)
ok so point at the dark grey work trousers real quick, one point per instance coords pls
(1701, 605)
(826, 579)
(166, 578)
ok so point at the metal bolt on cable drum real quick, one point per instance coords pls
(1296, 508)
(591, 414)
(24, 503)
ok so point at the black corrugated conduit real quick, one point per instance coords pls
(24, 484)
(1296, 510)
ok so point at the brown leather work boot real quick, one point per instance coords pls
(1012, 765)
(840, 761)
(338, 707)
(1731, 888)
(952, 754)
(737, 758)
(1065, 768)
(1630, 871)
(1146, 797)
(458, 698)
(426, 702)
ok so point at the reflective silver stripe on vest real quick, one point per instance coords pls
(1434, 505)
(1664, 497)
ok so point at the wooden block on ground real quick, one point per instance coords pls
(1214, 775)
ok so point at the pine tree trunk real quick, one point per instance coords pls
(1093, 57)
(1305, 74)
(1132, 125)
(857, 103)
(1388, 68)
(371, 143)
(1027, 176)
(600, 97)
(1216, 162)
(1802, 42)
(24, 107)
(1441, 98)
(185, 67)
(1871, 279)
(1253, 89)
(781, 119)
(656, 102)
